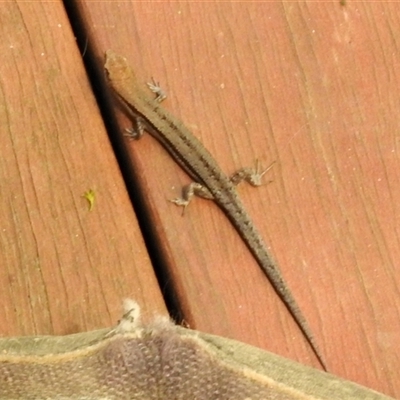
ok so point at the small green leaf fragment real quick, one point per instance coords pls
(90, 197)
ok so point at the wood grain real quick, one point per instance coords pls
(296, 84)
(310, 85)
(64, 269)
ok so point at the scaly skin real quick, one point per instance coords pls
(195, 159)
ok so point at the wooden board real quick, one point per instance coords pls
(309, 85)
(63, 268)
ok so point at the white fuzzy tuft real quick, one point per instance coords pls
(131, 317)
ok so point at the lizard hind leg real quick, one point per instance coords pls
(193, 189)
(250, 175)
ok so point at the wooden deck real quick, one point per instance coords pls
(313, 86)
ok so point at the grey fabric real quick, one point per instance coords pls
(158, 361)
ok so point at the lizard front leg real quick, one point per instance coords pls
(137, 130)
